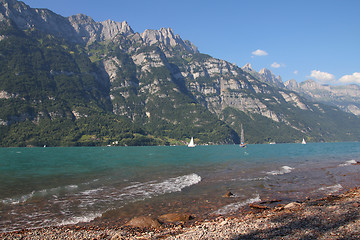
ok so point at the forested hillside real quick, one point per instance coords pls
(85, 83)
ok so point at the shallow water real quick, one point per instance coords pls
(55, 186)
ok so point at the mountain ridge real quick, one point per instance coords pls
(159, 88)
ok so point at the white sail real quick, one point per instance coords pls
(191, 144)
(242, 140)
(242, 135)
(303, 141)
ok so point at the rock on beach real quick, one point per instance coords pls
(144, 222)
(175, 217)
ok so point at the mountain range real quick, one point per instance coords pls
(345, 97)
(71, 81)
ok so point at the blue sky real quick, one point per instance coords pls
(317, 39)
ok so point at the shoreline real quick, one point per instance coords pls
(332, 217)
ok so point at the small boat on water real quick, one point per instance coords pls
(303, 141)
(242, 141)
(191, 144)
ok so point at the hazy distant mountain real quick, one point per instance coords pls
(74, 81)
(346, 97)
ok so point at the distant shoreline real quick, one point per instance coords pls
(184, 144)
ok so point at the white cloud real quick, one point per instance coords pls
(296, 72)
(322, 76)
(354, 78)
(260, 52)
(275, 65)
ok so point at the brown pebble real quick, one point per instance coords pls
(292, 205)
(175, 217)
(228, 194)
(253, 205)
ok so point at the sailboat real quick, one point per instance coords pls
(303, 141)
(242, 141)
(191, 144)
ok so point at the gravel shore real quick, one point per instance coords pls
(332, 217)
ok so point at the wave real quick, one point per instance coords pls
(91, 191)
(331, 189)
(79, 219)
(347, 163)
(90, 202)
(252, 179)
(158, 188)
(106, 196)
(39, 193)
(283, 170)
(18, 200)
(235, 206)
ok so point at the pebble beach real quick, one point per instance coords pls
(331, 217)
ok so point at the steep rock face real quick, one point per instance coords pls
(82, 28)
(294, 99)
(91, 31)
(291, 84)
(312, 85)
(42, 19)
(353, 109)
(167, 37)
(226, 86)
(264, 75)
(148, 60)
(78, 28)
(267, 76)
(248, 68)
(111, 28)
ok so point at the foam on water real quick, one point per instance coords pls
(348, 163)
(79, 219)
(137, 191)
(230, 208)
(251, 179)
(331, 189)
(283, 170)
(133, 192)
(91, 203)
(17, 200)
(158, 188)
(91, 191)
(43, 192)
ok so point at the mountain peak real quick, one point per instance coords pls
(267, 76)
(44, 20)
(167, 37)
(265, 71)
(91, 31)
(167, 31)
(291, 84)
(78, 28)
(247, 67)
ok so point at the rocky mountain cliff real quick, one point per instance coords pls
(264, 75)
(109, 84)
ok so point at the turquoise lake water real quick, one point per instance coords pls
(56, 186)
